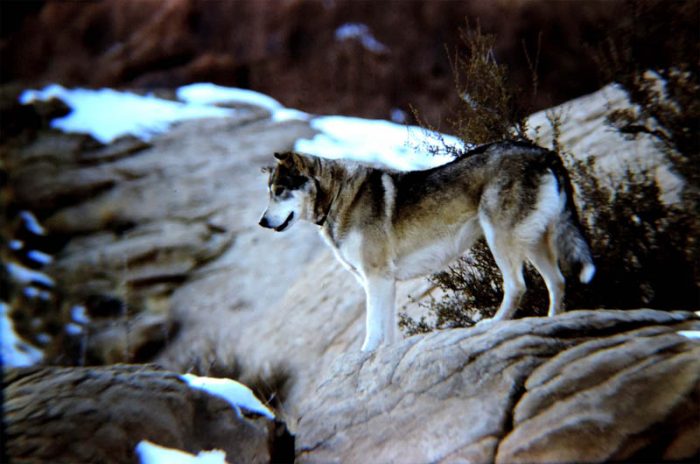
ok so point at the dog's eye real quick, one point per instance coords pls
(278, 190)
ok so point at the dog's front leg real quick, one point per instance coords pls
(381, 317)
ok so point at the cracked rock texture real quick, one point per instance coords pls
(588, 386)
(99, 414)
(134, 220)
(159, 242)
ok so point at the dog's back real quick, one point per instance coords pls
(386, 226)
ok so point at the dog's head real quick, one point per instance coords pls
(293, 193)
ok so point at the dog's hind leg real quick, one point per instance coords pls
(381, 317)
(544, 259)
(510, 263)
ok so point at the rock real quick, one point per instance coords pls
(99, 415)
(638, 202)
(588, 386)
(138, 219)
(308, 309)
(585, 134)
(318, 315)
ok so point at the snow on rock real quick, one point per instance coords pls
(361, 32)
(79, 314)
(31, 223)
(25, 276)
(15, 351)
(375, 141)
(40, 257)
(150, 453)
(692, 334)
(107, 114)
(237, 394)
(212, 94)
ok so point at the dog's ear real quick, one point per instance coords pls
(283, 156)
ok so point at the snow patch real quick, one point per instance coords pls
(692, 334)
(31, 223)
(73, 329)
(396, 146)
(79, 314)
(15, 351)
(40, 257)
(33, 292)
(237, 394)
(211, 94)
(150, 453)
(107, 114)
(25, 276)
(361, 32)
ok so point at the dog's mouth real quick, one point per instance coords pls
(286, 222)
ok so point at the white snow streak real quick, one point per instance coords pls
(211, 94)
(361, 32)
(107, 114)
(692, 334)
(15, 351)
(376, 141)
(150, 453)
(237, 394)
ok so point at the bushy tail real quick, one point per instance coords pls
(572, 246)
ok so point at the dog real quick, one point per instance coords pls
(385, 225)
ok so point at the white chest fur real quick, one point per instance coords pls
(349, 253)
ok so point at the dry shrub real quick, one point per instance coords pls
(646, 252)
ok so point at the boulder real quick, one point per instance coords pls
(98, 414)
(588, 386)
(136, 219)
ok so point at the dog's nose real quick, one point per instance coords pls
(264, 223)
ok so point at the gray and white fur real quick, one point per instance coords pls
(386, 226)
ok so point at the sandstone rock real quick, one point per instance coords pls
(311, 309)
(638, 202)
(100, 414)
(319, 314)
(166, 235)
(588, 386)
(140, 218)
(585, 134)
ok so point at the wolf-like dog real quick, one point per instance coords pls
(385, 225)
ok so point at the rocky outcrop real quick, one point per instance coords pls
(637, 200)
(101, 414)
(159, 258)
(588, 386)
(135, 220)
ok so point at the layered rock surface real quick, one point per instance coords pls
(96, 414)
(583, 387)
(163, 250)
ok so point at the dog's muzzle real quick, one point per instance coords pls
(264, 222)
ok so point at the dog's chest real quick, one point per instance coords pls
(347, 250)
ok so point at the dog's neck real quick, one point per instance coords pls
(338, 182)
(330, 177)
